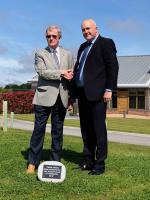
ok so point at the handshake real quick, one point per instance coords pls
(67, 74)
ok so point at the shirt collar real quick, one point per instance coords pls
(51, 49)
(93, 41)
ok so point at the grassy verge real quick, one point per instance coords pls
(114, 124)
(127, 172)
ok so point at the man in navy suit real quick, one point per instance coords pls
(95, 78)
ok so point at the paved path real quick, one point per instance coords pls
(114, 136)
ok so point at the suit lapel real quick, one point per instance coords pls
(50, 57)
(48, 53)
(94, 46)
(62, 57)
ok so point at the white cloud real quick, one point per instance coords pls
(27, 61)
(10, 63)
(16, 70)
(128, 25)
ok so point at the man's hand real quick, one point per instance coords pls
(107, 96)
(70, 104)
(70, 108)
(67, 74)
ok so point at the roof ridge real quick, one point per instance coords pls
(135, 56)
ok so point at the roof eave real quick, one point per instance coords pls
(133, 85)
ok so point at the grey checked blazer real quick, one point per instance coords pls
(50, 83)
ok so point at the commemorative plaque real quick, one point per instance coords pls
(51, 171)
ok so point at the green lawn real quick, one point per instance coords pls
(127, 172)
(114, 124)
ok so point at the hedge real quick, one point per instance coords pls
(18, 101)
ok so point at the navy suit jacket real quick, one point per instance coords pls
(100, 69)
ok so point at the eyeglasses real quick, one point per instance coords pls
(53, 36)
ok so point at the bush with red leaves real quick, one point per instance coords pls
(18, 101)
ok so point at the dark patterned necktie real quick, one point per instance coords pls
(79, 78)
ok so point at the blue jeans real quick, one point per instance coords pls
(58, 112)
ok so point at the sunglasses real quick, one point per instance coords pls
(53, 36)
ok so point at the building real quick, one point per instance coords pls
(133, 93)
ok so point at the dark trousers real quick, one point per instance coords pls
(58, 112)
(93, 129)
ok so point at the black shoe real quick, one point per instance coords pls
(96, 172)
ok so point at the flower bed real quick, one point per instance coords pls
(18, 101)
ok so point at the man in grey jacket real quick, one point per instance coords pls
(54, 66)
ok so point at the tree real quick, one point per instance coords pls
(14, 87)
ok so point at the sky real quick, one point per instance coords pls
(23, 24)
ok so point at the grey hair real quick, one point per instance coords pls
(54, 27)
(91, 20)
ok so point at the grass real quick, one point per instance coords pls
(114, 124)
(127, 172)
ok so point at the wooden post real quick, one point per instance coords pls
(124, 114)
(5, 122)
(12, 119)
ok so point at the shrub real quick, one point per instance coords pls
(18, 101)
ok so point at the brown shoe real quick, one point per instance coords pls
(30, 169)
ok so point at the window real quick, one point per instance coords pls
(132, 101)
(137, 99)
(141, 102)
(141, 99)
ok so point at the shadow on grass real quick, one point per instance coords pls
(67, 154)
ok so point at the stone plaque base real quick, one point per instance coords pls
(51, 171)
